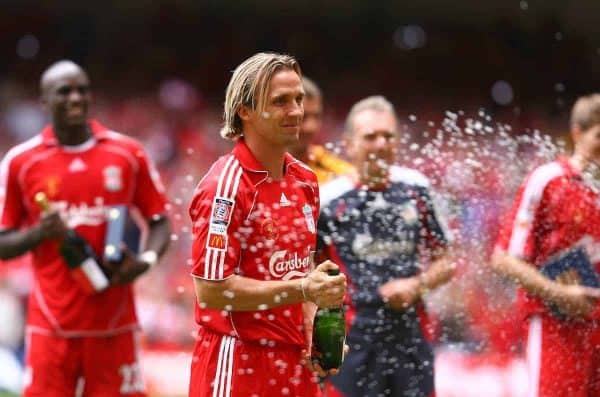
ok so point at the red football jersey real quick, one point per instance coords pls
(554, 210)
(248, 224)
(80, 181)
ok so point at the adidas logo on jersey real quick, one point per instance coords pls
(77, 165)
(284, 202)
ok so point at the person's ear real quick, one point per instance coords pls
(44, 101)
(348, 145)
(576, 133)
(244, 112)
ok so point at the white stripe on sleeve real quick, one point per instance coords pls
(529, 204)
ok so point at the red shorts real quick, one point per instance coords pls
(243, 369)
(563, 359)
(102, 366)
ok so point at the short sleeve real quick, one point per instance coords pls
(149, 194)
(11, 203)
(436, 232)
(325, 228)
(516, 236)
(525, 221)
(216, 230)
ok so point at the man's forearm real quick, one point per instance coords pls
(524, 274)
(159, 235)
(15, 243)
(239, 293)
(440, 271)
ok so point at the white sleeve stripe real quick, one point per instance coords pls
(222, 176)
(528, 206)
(230, 175)
(229, 180)
(213, 264)
(236, 184)
(213, 261)
(219, 259)
(5, 164)
(221, 264)
(334, 189)
(206, 262)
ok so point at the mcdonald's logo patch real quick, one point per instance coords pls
(217, 241)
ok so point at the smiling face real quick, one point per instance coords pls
(310, 127)
(66, 95)
(372, 142)
(278, 124)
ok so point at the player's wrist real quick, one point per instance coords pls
(551, 291)
(303, 290)
(149, 257)
(36, 234)
(422, 285)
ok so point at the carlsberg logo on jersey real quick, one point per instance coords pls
(286, 267)
(80, 215)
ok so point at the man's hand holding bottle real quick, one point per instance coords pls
(325, 286)
(322, 289)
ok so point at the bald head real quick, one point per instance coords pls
(58, 71)
(65, 94)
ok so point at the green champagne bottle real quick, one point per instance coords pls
(79, 256)
(329, 334)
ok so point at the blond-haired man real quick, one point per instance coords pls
(254, 225)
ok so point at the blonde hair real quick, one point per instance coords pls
(377, 103)
(586, 112)
(248, 87)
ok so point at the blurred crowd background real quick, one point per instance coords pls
(483, 91)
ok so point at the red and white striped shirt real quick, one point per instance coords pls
(248, 224)
(80, 181)
(554, 210)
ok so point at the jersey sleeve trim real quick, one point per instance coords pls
(5, 165)
(220, 218)
(528, 206)
(335, 188)
(408, 176)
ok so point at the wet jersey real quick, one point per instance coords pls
(80, 182)
(553, 211)
(377, 235)
(247, 224)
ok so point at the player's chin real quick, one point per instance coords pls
(290, 136)
(291, 130)
(75, 121)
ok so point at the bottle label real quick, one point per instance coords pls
(90, 276)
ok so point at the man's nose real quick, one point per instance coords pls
(381, 142)
(75, 96)
(296, 109)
